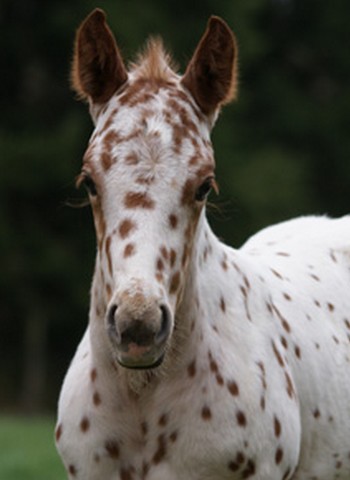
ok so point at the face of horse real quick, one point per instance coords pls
(148, 170)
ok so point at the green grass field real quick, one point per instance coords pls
(27, 450)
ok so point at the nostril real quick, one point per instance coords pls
(112, 328)
(165, 326)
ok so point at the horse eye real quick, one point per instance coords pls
(88, 183)
(90, 186)
(203, 191)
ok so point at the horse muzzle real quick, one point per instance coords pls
(139, 328)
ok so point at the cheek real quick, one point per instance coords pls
(100, 224)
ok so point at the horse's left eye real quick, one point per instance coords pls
(204, 190)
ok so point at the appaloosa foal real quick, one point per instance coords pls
(200, 362)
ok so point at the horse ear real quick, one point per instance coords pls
(98, 69)
(211, 75)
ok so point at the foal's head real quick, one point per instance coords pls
(148, 170)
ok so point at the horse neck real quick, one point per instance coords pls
(203, 294)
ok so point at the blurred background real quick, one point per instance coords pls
(282, 150)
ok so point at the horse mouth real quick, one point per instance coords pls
(139, 357)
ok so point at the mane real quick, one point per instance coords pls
(154, 62)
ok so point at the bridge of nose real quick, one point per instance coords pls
(137, 311)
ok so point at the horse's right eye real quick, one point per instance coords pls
(90, 186)
(88, 183)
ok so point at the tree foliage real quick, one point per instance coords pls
(282, 150)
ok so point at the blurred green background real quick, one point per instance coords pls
(282, 150)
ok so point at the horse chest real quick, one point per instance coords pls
(206, 426)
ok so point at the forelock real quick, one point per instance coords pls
(154, 62)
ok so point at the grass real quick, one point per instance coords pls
(27, 450)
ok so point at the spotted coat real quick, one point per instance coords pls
(200, 361)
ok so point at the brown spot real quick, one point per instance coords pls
(269, 307)
(262, 402)
(58, 432)
(188, 189)
(110, 139)
(138, 200)
(330, 307)
(185, 254)
(240, 457)
(241, 418)
(112, 448)
(316, 413)
(93, 374)
(174, 283)
(249, 471)
(106, 160)
(233, 466)
(194, 160)
(277, 274)
(206, 413)
(132, 159)
(173, 220)
(278, 455)
(219, 379)
(159, 277)
(84, 424)
(277, 354)
(163, 420)
(263, 374)
(283, 254)
(233, 388)
(333, 257)
(224, 265)
(222, 305)
(290, 388)
(164, 252)
(72, 470)
(297, 351)
(126, 227)
(160, 264)
(238, 462)
(108, 291)
(287, 296)
(129, 250)
(283, 321)
(191, 369)
(144, 428)
(284, 342)
(212, 363)
(317, 303)
(277, 426)
(108, 254)
(96, 398)
(173, 437)
(161, 450)
(172, 257)
(315, 277)
(347, 323)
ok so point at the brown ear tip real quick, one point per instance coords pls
(97, 15)
(215, 21)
